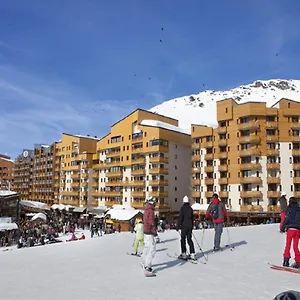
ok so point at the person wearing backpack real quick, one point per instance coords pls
(217, 211)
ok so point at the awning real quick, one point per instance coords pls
(79, 209)
(8, 226)
(39, 216)
(34, 204)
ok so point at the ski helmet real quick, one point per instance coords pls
(288, 295)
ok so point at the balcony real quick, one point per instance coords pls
(297, 194)
(196, 170)
(296, 180)
(195, 146)
(74, 168)
(94, 203)
(271, 180)
(113, 193)
(114, 163)
(273, 194)
(209, 169)
(138, 172)
(137, 183)
(273, 208)
(222, 142)
(250, 166)
(273, 166)
(196, 157)
(254, 125)
(249, 152)
(158, 171)
(251, 194)
(137, 204)
(207, 144)
(196, 182)
(196, 194)
(272, 138)
(296, 166)
(223, 168)
(295, 125)
(158, 182)
(139, 161)
(221, 130)
(98, 166)
(162, 206)
(296, 152)
(111, 203)
(295, 138)
(256, 180)
(272, 152)
(139, 194)
(271, 125)
(113, 183)
(223, 180)
(209, 156)
(96, 194)
(209, 181)
(251, 208)
(73, 193)
(113, 154)
(209, 194)
(249, 139)
(114, 174)
(75, 176)
(95, 175)
(95, 184)
(158, 194)
(158, 148)
(223, 155)
(223, 194)
(159, 159)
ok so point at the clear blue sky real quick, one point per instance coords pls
(70, 66)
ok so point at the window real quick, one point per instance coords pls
(176, 200)
(175, 156)
(175, 188)
(175, 177)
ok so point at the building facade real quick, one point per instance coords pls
(145, 154)
(23, 174)
(6, 172)
(250, 158)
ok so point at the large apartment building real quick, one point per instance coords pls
(250, 158)
(6, 172)
(73, 159)
(23, 174)
(145, 154)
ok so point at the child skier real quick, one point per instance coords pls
(292, 225)
(139, 237)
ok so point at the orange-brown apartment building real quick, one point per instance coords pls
(6, 172)
(250, 158)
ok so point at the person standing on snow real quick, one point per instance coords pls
(139, 237)
(150, 233)
(217, 211)
(283, 207)
(292, 224)
(186, 223)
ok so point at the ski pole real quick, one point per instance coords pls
(202, 237)
(229, 240)
(199, 247)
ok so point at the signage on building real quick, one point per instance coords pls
(25, 153)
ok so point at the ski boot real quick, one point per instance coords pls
(216, 249)
(183, 256)
(296, 265)
(193, 256)
(286, 262)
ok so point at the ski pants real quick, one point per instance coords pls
(282, 217)
(149, 250)
(292, 235)
(186, 234)
(137, 243)
(218, 232)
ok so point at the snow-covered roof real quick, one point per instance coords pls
(6, 159)
(159, 124)
(87, 137)
(45, 146)
(198, 206)
(122, 215)
(8, 226)
(7, 193)
(122, 207)
(202, 108)
(61, 206)
(34, 204)
(39, 216)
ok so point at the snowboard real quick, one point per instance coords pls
(287, 269)
(175, 256)
(147, 273)
(137, 255)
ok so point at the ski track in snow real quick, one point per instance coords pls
(100, 268)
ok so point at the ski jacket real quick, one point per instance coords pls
(221, 210)
(292, 218)
(149, 220)
(186, 217)
(139, 230)
(283, 204)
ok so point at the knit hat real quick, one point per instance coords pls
(283, 193)
(186, 199)
(151, 200)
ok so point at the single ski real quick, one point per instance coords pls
(287, 269)
(131, 254)
(175, 256)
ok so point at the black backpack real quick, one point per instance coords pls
(215, 212)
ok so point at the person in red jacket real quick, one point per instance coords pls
(150, 232)
(217, 211)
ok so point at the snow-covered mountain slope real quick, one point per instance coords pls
(201, 108)
(99, 268)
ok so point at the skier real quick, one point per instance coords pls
(283, 207)
(150, 233)
(217, 211)
(139, 236)
(185, 223)
(292, 225)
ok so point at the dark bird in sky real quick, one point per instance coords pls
(149, 78)
(162, 29)
(160, 41)
(277, 54)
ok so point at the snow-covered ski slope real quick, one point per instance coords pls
(201, 108)
(100, 268)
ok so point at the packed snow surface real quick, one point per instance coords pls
(99, 268)
(201, 108)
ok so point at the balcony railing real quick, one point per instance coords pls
(273, 166)
(274, 152)
(271, 125)
(251, 194)
(249, 125)
(158, 194)
(114, 174)
(209, 156)
(223, 194)
(273, 194)
(223, 180)
(251, 208)
(209, 169)
(196, 194)
(250, 166)
(138, 194)
(158, 182)
(209, 181)
(271, 180)
(223, 168)
(159, 159)
(138, 172)
(158, 171)
(249, 179)
(196, 182)
(196, 157)
(209, 194)
(252, 139)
